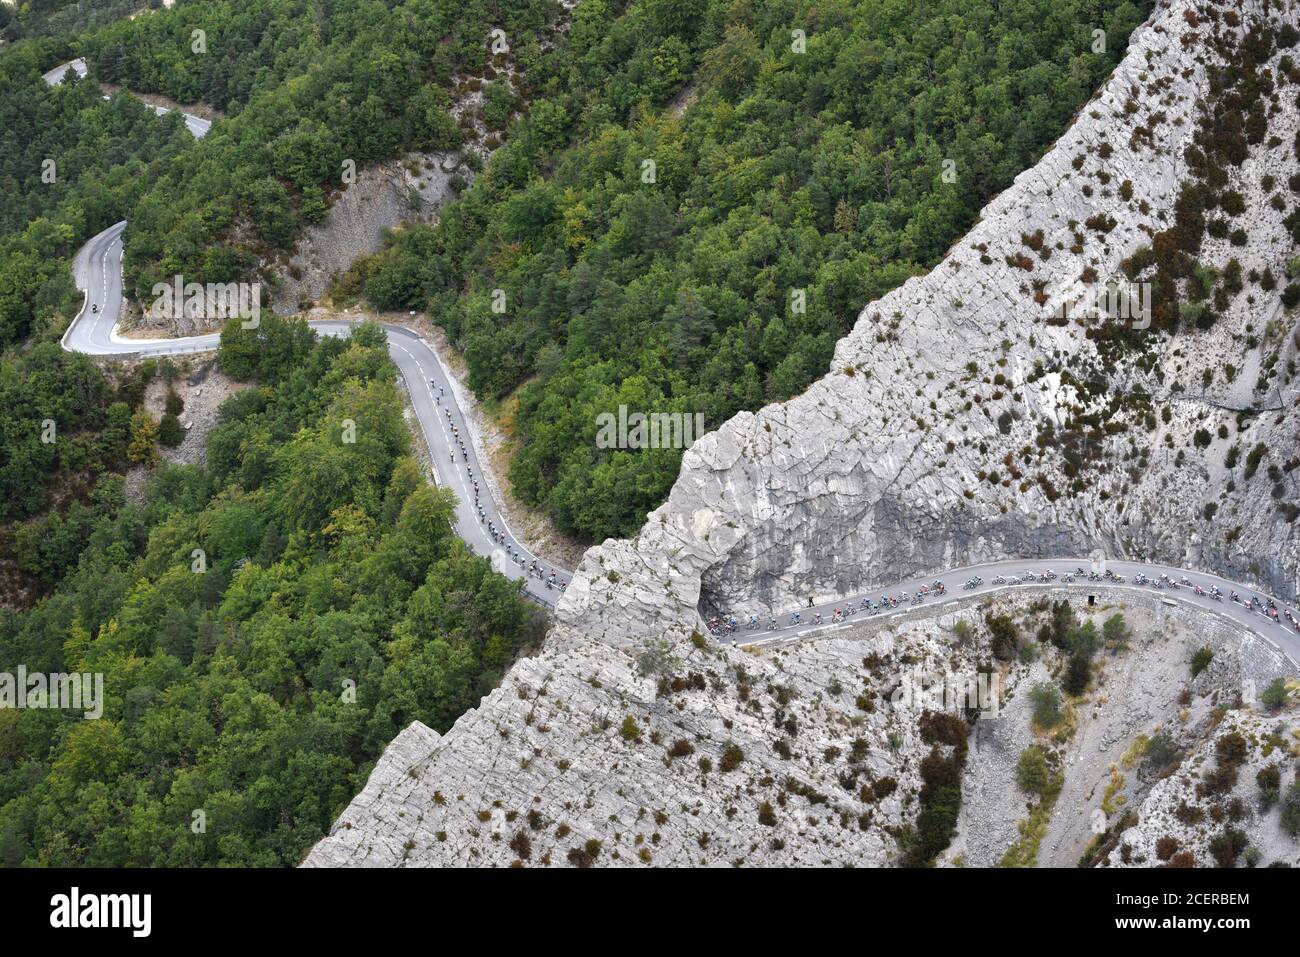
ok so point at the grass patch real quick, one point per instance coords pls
(1024, 851)
(1112, 800)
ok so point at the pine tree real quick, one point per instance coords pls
(170, 432)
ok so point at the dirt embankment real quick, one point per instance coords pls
(388, 195)
(202, 388)
(202, 110)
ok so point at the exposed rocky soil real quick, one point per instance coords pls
(403, 192)
(584, 743)
(410, 190)
(958, 423)
(1180, 819)
(1098, 751)
(203, 388)
(202, 110)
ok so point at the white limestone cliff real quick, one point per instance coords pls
(940, 437)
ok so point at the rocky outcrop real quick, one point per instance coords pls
(377, 831)
(1215, 807)
(956, 424)
(971, 414)
(952, 427)
(693, 756)
(384, 196)
(1138, 693)
(809, 754)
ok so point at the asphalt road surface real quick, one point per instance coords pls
(1279, 633)
(197, 125)
(77, 66)
(98, 271)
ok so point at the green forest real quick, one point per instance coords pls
(71, 165)
(696, 260)
(333, 606)
(304, 85)
(820, 171)
(54, 18)
(266, 624)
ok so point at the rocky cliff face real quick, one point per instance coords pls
(811, 754)
(974, 413)
(963, 420)
(586, 755)
(1217, 807)
(384, 196)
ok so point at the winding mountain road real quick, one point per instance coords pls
(1279, 633)
(98, 271)
(197, 125)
